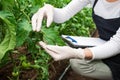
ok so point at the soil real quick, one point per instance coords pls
(6, 71)
(56, 69)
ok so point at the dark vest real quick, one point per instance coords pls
(106, 29)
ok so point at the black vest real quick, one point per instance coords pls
(106, 29)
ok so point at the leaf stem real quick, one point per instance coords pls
(26, 16)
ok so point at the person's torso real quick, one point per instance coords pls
(106, 16)
(107, 26)
(107, 10)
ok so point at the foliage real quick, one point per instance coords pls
(16, 32)
(10, 38)
(81, 24)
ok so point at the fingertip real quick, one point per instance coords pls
(42, 44)
(49, 21)
(34, 19)
(48, 25)
(33, 29)
(40, 41)
(37, 30)
(38, 27)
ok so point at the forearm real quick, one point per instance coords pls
(64, 14)
(109, 49)
(101, 52)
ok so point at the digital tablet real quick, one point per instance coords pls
(80, 41)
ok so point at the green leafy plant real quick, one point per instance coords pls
(9, 41)
(16, 33)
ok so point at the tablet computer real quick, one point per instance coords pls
(80, 41)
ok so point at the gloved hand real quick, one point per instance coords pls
(46, 11)
(62, 52)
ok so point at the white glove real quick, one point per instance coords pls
(46, 11)
(63, 52)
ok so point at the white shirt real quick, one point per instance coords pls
(104, 9)
(107, 10)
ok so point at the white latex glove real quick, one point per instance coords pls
(62, 52)
(37, 18)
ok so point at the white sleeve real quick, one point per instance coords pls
(63, 14)
(109, 49)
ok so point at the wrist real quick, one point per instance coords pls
(78, 53)
(88, 54)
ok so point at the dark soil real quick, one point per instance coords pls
(56, 69)
(6, 71)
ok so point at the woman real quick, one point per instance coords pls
(101, 62)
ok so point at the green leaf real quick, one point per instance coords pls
(23, 31)
(51, 36)
(9, 41)
(7, 4)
